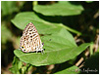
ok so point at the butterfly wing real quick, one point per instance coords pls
(30, 40)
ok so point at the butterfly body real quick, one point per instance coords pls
(30, 40)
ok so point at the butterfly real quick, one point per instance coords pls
(30, 40)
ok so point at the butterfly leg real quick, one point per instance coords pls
(19, 48)
(42, 52)
(36, 52)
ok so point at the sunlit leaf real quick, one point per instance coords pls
(70, 70)
(61, 48)
(62, 8)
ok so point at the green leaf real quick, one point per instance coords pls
(61, 48)
(16, 66)
(8, 7)
(70, 70)
(89, 1)
(91, 48)
(62, 8)
(42, 26)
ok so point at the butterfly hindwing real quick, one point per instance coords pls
(30, 40)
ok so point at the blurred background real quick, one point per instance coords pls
(87, 23)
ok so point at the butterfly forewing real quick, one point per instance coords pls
(30, 40)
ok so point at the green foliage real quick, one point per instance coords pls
(62, 8)
(18, 67)
(89, 1)
(43, 27)
(91, 48)
(5, 36)
(70, 70)
(8, 7)
(51, 21)
(60, 45)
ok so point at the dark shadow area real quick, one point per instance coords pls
(6, 53)
(62, 66)
(15, 31)
(91, 65)
(46, 2)
(28, 6)
(76, 2)
(54, 19)
(40, 70)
